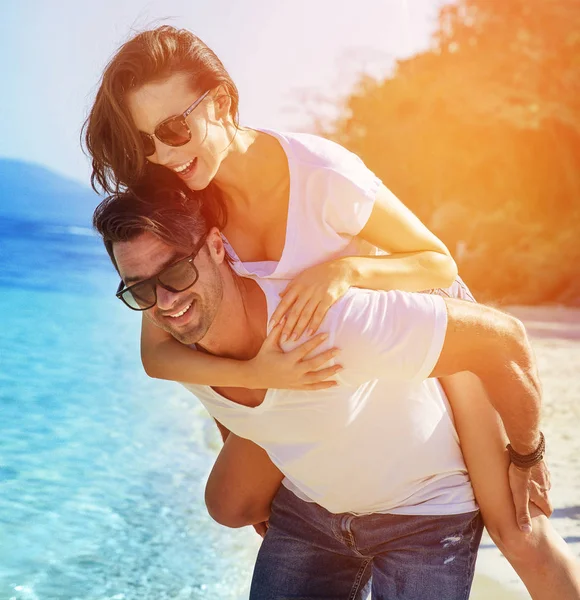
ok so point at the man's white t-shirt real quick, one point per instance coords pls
(383, 440)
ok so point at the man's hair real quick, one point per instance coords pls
(110, 136)
(176, 215)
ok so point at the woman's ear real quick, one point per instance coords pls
(222, 103)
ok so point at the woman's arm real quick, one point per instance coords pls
(164, 357)
(418, 261)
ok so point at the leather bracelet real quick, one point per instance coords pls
(527, 461)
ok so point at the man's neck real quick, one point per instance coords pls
(239, 328)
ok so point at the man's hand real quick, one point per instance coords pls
(261, 528)
(530, 485)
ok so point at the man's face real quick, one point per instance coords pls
(186, 315)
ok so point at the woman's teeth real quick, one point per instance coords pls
(180, 314)
(184, 167)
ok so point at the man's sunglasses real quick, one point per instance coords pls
(175, 278)
(174, 131)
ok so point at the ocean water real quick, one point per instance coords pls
(102, 470)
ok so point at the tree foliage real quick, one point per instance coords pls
(480, 136)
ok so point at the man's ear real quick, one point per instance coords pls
(222, 103)
(215, 244)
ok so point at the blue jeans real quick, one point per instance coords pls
(310, 553)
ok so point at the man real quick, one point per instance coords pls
(374, 477)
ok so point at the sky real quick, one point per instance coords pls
(287, 57)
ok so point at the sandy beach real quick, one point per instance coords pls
(555, 336)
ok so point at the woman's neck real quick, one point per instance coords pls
(254, 166)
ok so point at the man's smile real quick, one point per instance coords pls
(181, 312)
(179, 317)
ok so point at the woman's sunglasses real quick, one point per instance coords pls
(174, 131)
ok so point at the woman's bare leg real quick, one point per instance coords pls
(242, 484)
(541, 559)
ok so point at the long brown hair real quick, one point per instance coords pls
(110, 136)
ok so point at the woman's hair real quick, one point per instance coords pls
(175, 216)
(110, 136)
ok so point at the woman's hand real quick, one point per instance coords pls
(298, 369)
(307, 298)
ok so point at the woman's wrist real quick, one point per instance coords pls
(349, 270)
(247, 374)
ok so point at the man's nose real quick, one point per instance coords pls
(166, 299)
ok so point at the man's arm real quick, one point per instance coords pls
(494, 346)
(411, 337)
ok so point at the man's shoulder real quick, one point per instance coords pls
(387, 334)
(360, 306)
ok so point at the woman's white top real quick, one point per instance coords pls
(332, 194)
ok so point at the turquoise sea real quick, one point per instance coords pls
(102, 470)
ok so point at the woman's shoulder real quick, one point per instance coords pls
(315, 151)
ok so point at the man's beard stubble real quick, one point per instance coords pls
(206, 306)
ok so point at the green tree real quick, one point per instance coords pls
(480, 136)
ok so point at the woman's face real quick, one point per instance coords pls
(197, 161)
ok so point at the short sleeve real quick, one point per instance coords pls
(458, 289)
(351, 192)
(394, 335)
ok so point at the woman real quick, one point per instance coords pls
(167, 102)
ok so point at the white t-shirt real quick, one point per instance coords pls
(381, 441)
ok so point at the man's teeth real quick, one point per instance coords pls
(182, 168)
(180, 314)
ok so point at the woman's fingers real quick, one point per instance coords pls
(273, 337)
(289, 296)
(311, 364)
(304, 319)
(321, 374)
(317, 318)
(321, 385)
(292, 315)
(302, 352)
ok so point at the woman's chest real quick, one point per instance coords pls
(258, 232)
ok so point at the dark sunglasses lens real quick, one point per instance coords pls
(173, 132)
(148, 144)
(179, 277)
(140, 296)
